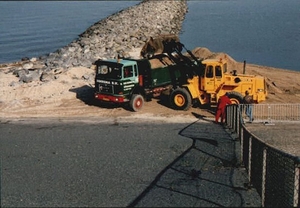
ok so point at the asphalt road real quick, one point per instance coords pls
(121, 164)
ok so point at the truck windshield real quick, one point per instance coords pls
(109, 72)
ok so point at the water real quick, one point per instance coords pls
(260, 32)
(35, 28)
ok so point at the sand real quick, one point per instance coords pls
(70, 95)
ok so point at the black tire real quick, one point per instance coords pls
(180, 99)
(235, 97)
(136, 102)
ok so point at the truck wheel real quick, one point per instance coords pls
(180, 99)
(136, 102)
(235, 97)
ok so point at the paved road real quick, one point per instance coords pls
(114, 163)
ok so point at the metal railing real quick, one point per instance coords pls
(275, 174)
(270, 113)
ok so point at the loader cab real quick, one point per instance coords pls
(213, 74)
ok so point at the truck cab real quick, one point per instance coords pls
(115, 79)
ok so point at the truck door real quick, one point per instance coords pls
(129, 79)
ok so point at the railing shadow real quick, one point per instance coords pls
(203, 175)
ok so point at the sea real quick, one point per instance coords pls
(259, 32)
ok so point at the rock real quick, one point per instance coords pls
(21, 73)
(126, 30)
(25, 59)
(14, 84)
(29, 77)
(86, 77)
(28, 65)
(47, 76)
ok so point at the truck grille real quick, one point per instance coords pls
(105, 88)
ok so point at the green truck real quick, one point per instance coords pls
(134, 81)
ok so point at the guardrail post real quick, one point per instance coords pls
(297, 185)
(238, 120)
(235, 119)
(250, 159)
(232, 116)
(242, 145)
(264, 171)
(269, 116)
(228, 116)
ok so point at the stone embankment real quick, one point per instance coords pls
(119, 33)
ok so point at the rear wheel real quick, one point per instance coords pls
(136, 102)
(180, 99)
(235, 97)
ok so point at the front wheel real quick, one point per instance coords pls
(180, 99)
(136, 102)
(235, 97)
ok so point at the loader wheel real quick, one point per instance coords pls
(136, 102)
(180, 99)
(235, 97)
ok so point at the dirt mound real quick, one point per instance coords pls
(205, 53)
(201, 53)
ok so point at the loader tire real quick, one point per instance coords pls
(136, 102)
(180, 99)
(235, 97)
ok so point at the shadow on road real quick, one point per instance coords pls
(206, 174)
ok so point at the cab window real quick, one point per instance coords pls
(109, 71)
(218, 71)
(209, 71)
(225, 67)
(128, 72)
(135, 70)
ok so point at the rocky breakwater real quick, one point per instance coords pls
(120, 33)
